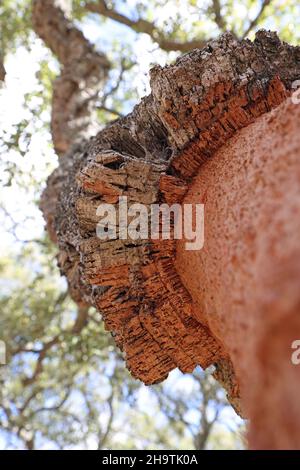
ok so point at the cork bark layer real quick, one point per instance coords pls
(151, 156)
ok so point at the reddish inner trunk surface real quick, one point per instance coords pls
(245, 282)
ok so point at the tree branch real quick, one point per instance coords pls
(79, 324)
(2, 69)
(39, 363)
(56, 407)
(102, 437)
(146, 27)
(110, 111)
(81, 319)
(83, 74)
(219, 20)
(255, 21)
(102, 105)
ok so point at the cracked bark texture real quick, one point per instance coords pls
(153, 156)
(83, 74)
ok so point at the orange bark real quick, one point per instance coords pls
(245, 282)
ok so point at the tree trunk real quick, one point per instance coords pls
(168, 307)
(84, 72)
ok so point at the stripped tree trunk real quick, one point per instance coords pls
(153, 156)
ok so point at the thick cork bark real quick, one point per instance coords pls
(143, 289)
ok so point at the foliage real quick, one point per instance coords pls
(65, 384)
